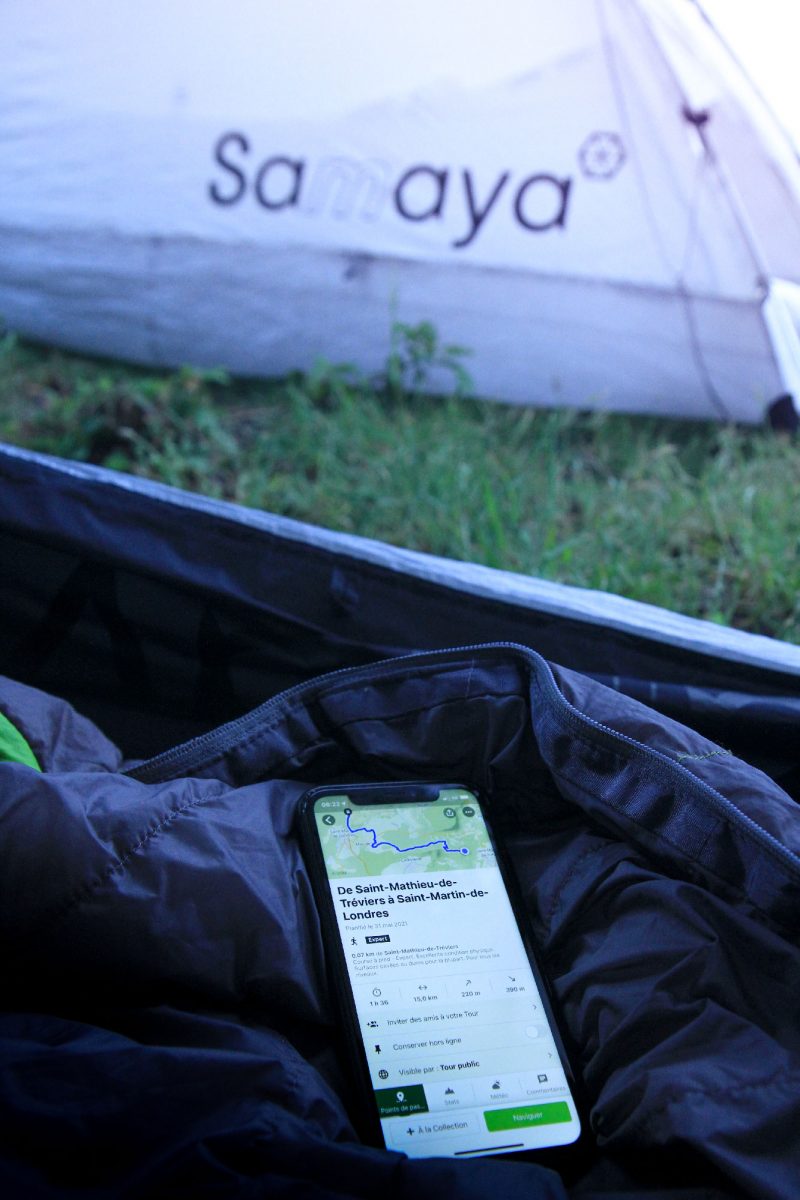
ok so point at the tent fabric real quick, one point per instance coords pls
(188, 187)
(167, 1028)
(161, 614)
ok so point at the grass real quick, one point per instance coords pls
(697, 517)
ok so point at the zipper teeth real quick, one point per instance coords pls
(228, 735)
(719, 801)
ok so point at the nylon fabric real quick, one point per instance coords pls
(226, 606)
(165, 968)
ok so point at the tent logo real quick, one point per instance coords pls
(602, 156)
(349, 188)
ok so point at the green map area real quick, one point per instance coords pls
(388, 839)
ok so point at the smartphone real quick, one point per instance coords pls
(451, 1035)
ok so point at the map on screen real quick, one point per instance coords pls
(400, 838)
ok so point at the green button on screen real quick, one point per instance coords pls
(401, 1101)
(527, 1115)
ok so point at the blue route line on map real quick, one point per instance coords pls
(400, 849)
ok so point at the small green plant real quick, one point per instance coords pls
(416, 357)
(416, 363)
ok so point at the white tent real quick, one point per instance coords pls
(590, 195)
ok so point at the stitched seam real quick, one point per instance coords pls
(710, 1093)
(88, 889)
(551, 912)
(324, 739)
(300, 702)
(469, 680)
(651, 766)
(646, 765)
(700, 757)
(658, 760)
(256, 736)
(659, 836)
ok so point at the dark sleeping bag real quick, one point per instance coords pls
(167, 1029)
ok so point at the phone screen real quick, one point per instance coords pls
(461, 1055)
